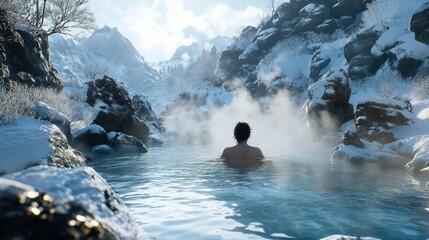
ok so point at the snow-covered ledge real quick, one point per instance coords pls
(85, 187)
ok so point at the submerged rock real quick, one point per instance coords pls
(126, 144)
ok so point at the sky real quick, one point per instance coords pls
(157, 27)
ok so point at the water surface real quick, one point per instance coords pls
(184, 192)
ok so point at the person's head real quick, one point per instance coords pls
(242, 132)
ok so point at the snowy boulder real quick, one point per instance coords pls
(44, 112)
(31, 142)
(345, 237)
(27, 213)
(319, 61)
(102, 150)
(327, 27)
(80, 199)
(383, 112)
(415, 148)
(420, 24)
(126, 144)
(143, 108)
(88, 137)
(115, 109)
(357, 51)
(408, 55)
(311, 16)
(228, 66)
(370, 153)
(25, 57)
(348, 8)
(327, 106)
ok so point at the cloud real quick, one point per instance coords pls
(158, 27)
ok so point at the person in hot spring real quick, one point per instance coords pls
(242, 155)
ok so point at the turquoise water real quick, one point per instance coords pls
(185, 193)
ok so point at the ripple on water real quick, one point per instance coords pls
(180, 193)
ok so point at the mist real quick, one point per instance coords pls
(277, 123)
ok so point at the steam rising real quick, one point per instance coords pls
(276, 123)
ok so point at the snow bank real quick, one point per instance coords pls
(25, 143)
(87, 188)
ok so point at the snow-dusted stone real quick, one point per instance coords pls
(383, 112)
(27, 213)
(311, 16)
(408, 55)
(31, 142)
(373, 152)
(415, 148)
(319, 61)
(114, 106)
(143, 108)
(420, 24)
(327, 106)
(88, 137)
(327, 27)
(357, 51)
(26, 53)
(346, 237)
(228, 66)
(348, 8)
(90, 198)
(45, 112)
(126, 144)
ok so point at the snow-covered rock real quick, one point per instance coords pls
(420, 24)
(74, 198)
(346, 237)
(25, 57)
(327, 106)
(45, 112)
(126, 144)
(357, 51)
(115, 110)
(383, 112)
(31, 142)
(89, 137)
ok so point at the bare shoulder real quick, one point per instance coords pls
(225, 153)
(258, 152)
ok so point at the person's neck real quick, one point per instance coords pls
(242, 143)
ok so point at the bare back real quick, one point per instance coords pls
(242, 153)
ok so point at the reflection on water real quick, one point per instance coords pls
(187, 193)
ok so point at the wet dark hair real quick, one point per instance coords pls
(242, 132)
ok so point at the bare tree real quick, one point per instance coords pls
(65, 15)
(92, 70)
(54, 16)
(272, 6)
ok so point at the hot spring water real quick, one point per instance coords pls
(186, 193)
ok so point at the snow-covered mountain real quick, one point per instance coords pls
(185, 55)
(107, 52)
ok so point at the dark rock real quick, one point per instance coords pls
(319, 61)
(352, 138)
(29, 214)
(348, 8)
(116, 112)
(345, 21)
(420, 24)
(289, 11)
(327, 27)
(379, 134)
(126, 144)
(383, 112)
(101, 150)
(327, 106)
(311, 16)
(143, 108)
(357, 51)
(45, 112)
(25, 57)
(89, 137)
